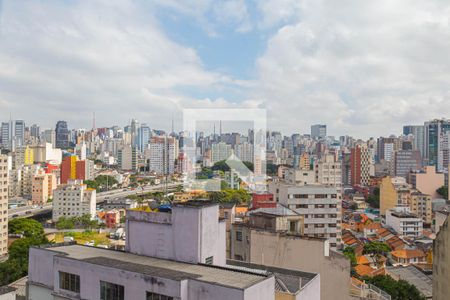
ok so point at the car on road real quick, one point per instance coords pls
(15, 216)
(28, 212)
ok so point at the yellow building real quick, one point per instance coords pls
(394, 191)
(28, 156)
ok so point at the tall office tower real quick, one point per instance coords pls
(162, 155)
(127, 158)
(49, 136)
(220, 151)
(318, 131)
(13, 134)
(360, 165)
(35, 131)
(62, 135)
(134, 128)
(417, 131)
(434, 133)
(143, 137)
(4, 181)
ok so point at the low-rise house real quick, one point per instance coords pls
(371, 230)
(406, 257)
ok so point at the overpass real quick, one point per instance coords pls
(33, 210)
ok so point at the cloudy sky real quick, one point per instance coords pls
(364, 68)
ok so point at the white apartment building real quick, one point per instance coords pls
(220, 151)
(320, 206)
(403, 222)
(73, 199)
(244, 151)
(162, 155)
(3, 205)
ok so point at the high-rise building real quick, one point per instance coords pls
(244, 152)
(13, 134)
(360, 165)
(220, 151)
(40, 188)
(127, 158)
(4, 182)
(35, 131)
(143, 138)
(74, 169)
(407, 161)
(73, 200)
(434, 132)
(394, 192)
(318, 204)
(50, 137)
(328, 172)
(318, 131)
(162, 155)
(62, 135)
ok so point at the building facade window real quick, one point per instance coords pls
(209, 260)
(111, 291)
(155, 296)
(69, 282)
(239, 236)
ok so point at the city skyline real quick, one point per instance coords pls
(152, 59)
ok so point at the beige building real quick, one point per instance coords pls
(284, 250)
(421, 206)
(328, 172)
(42, 187)
(441, 263)
(3, 205)
(428, 181)
(394, 191)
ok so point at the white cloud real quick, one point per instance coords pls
(63, 61)
(362, 67)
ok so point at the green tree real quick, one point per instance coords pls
(65, 223)
(399, 290)
(349, 252)
(221, 166)
(19, 249)
(376, 248)
(443, 191)
(10, 271)
(27, 227)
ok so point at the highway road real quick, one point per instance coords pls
(29, 210)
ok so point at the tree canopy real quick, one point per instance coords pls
(399, 290)
(376, 248)
(228, 195)
(25, 226)
(101, 182)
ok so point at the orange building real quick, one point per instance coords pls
(72, 169)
